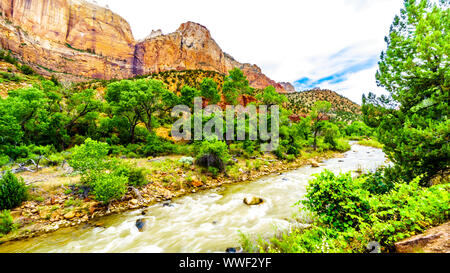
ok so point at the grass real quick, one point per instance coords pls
(371, 143)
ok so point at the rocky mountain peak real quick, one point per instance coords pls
(78, 40)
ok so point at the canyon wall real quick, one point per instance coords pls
(77, 40)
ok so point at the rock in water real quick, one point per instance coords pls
(314, 164)
(140, 224)
(253, 201)
(231, 250)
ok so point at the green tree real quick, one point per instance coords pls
(415, 70)
(137, 101)
(187, 96)
(319, 115)
(209, 90)
(80, 105)
(270, 97)
(236, 84)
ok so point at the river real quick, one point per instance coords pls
(208, 221)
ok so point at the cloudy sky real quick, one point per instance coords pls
(331, 44)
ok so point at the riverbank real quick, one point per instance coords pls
(59, 203)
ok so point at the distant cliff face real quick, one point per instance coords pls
(78, 40)
(288, 87)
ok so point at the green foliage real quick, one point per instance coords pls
(350, 213)
(338, 201)
(212, 153)
(187, 96)
(13, 191)
(135, 176)
(25, 69)
(358, 128)
(235, 85)
(108, 187)
(415, 70)
(137, 101)
(270, 96)
(157, 146)
(6, 222)
(209, 90)
(89, 157)
(371, 143)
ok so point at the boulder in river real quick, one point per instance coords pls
(253, 201)
(314, 164)
(140, 224)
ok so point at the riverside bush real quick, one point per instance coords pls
(6, 222)
(13, 191)
(89, 157)
(338, 201)
(135, 176)
(108, 187)
(348, 216)
(212, 153)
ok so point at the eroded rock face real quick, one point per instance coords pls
(288, 87)
(80, 40)
(190, 47)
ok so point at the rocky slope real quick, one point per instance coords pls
(77, 40)
(301, 103)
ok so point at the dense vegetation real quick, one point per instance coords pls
(399, 201)
(92, 126)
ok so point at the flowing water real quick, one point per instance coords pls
(209, 221)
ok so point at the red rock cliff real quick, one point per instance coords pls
(79, 40)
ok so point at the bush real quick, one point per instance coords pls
(108, 187)
(157, 146)
(6, 222)
(358, 128)
(136, 176)
(341, 145)
(13, 191)
(26, 70)
(4, 159)
(186, 160)
(89, 157)
(407, 210)
(338, 201)
(349, 216)
(212, 153)
(379, 182)
(371, 143)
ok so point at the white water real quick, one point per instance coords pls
(205, 222)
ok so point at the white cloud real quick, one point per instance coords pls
(288, 39)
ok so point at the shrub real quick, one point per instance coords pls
(89, 156)
(108, 187)
(157, 146)
(358, 128)
(213, 153)
(4, 159)
(341, 145)
(379, 182)
(337, 200)
(186, 160)
(136, 176)
(6, 222)
(349, 216)
(371, 143)
(13, 191)
(26, 70)
(407, 210)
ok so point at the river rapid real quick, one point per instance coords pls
(209, 221)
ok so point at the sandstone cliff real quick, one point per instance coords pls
(77, 40)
